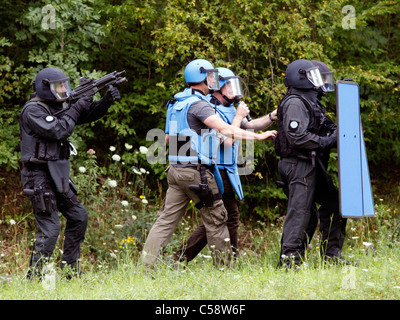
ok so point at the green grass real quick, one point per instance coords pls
(255, 278)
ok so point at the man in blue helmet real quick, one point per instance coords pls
(301, 139)
(223, 101)
(46, 122)
(193, 127)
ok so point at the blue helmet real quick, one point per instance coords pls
(302, 74)
(200, 70)
(52, 84)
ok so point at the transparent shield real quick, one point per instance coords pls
(329, 82)
(314, 76)
(60, 89)
(234, 88)
(213, 80)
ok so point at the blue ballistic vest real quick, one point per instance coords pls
(185, 145)
(228, 155)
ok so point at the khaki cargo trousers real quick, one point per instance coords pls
(177, 198)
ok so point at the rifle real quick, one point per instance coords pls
(89, 87)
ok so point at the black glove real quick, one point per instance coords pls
(76, 109)
(113, 94)
(329, 141)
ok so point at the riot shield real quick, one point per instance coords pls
(355, 193)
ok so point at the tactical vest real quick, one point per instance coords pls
(38, 150)
(185, 145)
(281, 143)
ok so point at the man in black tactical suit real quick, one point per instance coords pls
(305, 136)
(46, 122)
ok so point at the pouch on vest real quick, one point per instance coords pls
(59, 172)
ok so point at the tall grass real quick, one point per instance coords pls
(121, 216)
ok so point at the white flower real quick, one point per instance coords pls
(112, 148)
(118, 226)
(142, 170)
(368, 244)
(124, 203)
(135, 170)
(12, 222)
(145, 201)
(116, 157)
(82, 169)
(227, 239)
(128, 146)
(143, 149)
(134, 217)
(112, 183)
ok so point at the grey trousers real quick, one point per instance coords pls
(177, 198)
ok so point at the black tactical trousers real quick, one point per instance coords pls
(308, 185)
(48, 223)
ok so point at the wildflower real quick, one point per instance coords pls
(112, 183)
(141, 197)
(227, 239)
(118, 226)
(82, 169)
(142, 170)
(134, 217)
(128, 146)
(145, 201)
(91, 152)
(368, 244)
(116, 157)
(12, 222)
(143, 150)
(124, 203)
(136, 171)
(112, 149)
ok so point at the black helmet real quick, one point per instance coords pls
(302, 74)
(327, 76)
(52, 84)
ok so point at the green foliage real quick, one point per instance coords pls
(154, 40)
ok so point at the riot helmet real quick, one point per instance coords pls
(200, 70)
(302, 74)
(327, 76)
(231, 82)
(52, 84)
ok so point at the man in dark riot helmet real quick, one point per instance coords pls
(46, 122)
(304, 136)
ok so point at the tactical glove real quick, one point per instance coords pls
(329, 141)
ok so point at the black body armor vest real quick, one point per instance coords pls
(281, 143)
(38, 150)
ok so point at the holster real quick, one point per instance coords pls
(41, 200)
(204, 192)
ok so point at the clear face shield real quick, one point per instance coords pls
(212, 78)
(329, 81)
(233, 88)
(60, 89)
(314, 76)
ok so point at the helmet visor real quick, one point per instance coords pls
(233, 88)
(212, 79)
(60, 89)
(314, 76)
(329, 81)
